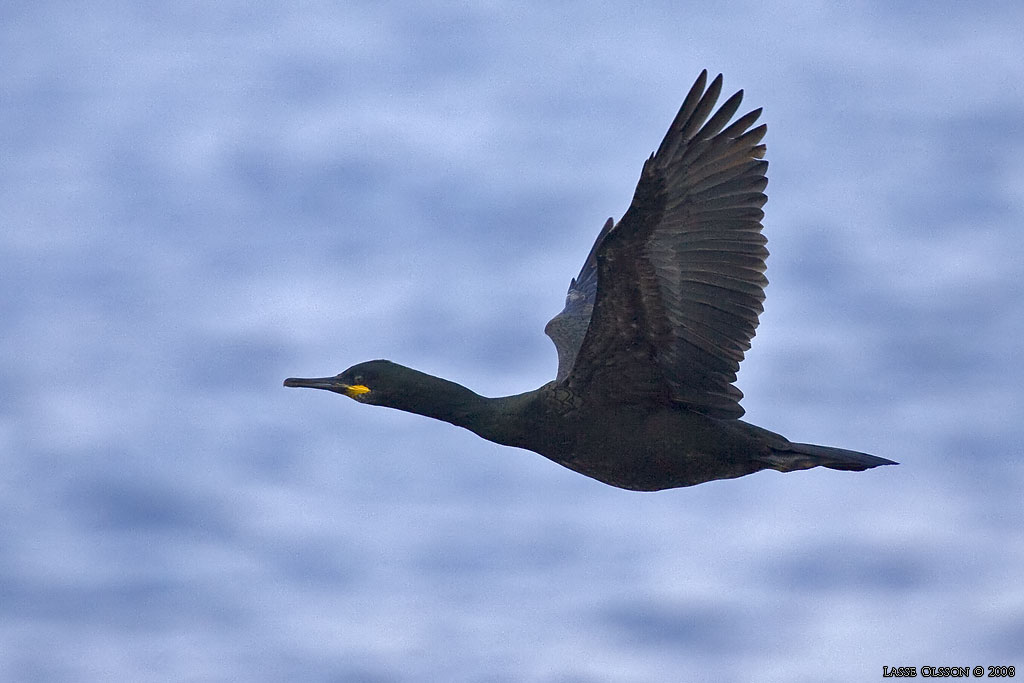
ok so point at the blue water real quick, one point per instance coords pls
(199, 201)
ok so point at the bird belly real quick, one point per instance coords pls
(670, 448)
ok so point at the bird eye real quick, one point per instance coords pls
(358, 379)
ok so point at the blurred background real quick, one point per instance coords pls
(198, 200)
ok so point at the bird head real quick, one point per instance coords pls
(370, 382)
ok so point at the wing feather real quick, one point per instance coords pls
(568, 328)
(680, 279)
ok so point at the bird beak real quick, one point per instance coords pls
(330, 384)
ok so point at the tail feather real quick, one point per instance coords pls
(801, 456)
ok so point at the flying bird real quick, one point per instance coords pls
(653, 330)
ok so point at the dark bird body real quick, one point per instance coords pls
(652, 333)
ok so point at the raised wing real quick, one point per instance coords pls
(680, 279)
(568, 328)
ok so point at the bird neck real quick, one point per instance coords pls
(506, 420)
(445, 400)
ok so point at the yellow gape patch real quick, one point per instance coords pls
(355, 390)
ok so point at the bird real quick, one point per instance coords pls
(652, 333)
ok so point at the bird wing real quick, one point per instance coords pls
(680, 279)
(568, 328)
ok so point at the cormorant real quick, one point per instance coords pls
(652, 333)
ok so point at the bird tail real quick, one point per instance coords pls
(801, 456)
